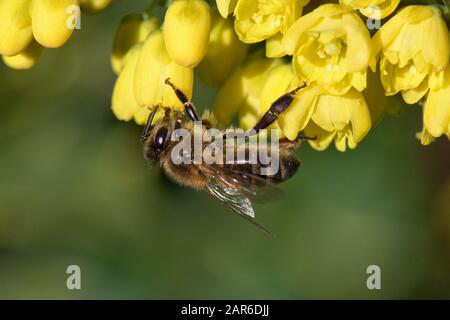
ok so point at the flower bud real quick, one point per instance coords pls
(134, 28)
(186, 31)
(26, 59)
(225, 52)
(15, 26)
(53, 21)
(93, 6)
(154, 66)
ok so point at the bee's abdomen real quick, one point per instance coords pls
(288, 166)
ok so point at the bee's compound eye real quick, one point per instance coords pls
(160, 139)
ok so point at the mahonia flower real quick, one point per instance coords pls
(253, 88)
(225, 7)
(141, 82)
(153, 67)
(225, 52)
(375, 9)
(436, 116)
(240, 95)
(49, 21)
(258, 20)
(413, 48)
(134, 28)
(186, 31)
(124, 104)
(93, 6)
(15, 27)
(25, 59)
(25, 25)
(330, 46)
(344, 119)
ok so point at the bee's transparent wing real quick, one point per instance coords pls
(234, 200)
(256, 188)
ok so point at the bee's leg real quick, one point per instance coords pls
(148, 126)
(280, 105)
(188, 106)
(290, 145)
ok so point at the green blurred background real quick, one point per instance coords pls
(74, 189)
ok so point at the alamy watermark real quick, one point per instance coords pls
(74, 17)
(374, 23)
(374, 280)
(73, 281)
(235, 146)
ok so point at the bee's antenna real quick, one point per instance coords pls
(148, 126)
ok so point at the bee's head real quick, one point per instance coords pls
(157, 140)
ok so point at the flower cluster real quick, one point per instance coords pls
(256, 50)
(27, 26)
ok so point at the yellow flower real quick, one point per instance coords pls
(153, 67)
(134, 28)
(375, 9)
(225, 52)
(257, 20)
(25, 59)
(225, 7)
(253, 88)
(186, 31)
(15, 26)
(93, 6)
(330, 46)
(379, 104)
(241, 93)
(344, 119)
(413, 47)
(50, 21)
(124, 104)
(436, 116)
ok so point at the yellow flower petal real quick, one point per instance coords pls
(15, 26)
(299, 113)
(274, 46)
(437, 109)
(134, 28)
(225, 7)
(52, 22)
(257, 20)
(154, 66)
(331, 46)
(93, 6)
(186, 31)
(225, 52)
(26, 59)
(412, 67)
(124, 104)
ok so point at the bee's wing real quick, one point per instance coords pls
(255, 187)
(234, 200)
(237, 189)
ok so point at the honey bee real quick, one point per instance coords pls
(236, 185)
